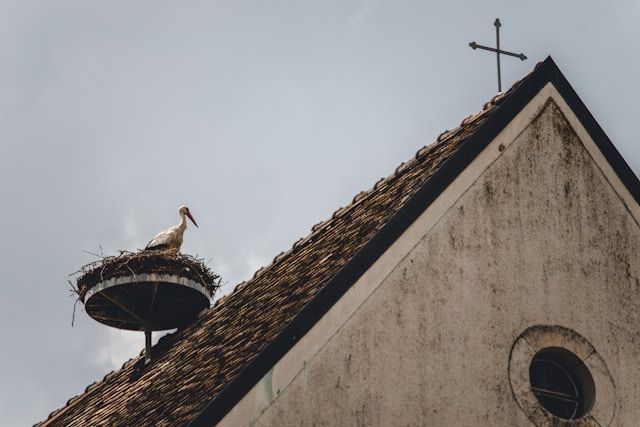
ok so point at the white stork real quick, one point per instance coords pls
(171, 238)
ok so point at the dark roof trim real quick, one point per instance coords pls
(619, 165)
(545, 72)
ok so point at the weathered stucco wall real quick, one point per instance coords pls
(540, 238)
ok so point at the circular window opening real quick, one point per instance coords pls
(562, 383)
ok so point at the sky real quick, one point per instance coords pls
(262, 116)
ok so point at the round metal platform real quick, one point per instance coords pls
(146, 302)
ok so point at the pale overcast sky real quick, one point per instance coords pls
(263, 116)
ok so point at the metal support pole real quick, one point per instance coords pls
(497, 24)
(147, 346)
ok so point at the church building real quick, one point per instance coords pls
(493, 279)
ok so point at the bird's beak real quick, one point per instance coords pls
(191, 218)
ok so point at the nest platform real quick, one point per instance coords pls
(147, 290)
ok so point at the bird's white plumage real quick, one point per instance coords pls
(171, 238)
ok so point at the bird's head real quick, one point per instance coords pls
(185, 211)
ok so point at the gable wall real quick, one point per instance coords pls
(540, 237)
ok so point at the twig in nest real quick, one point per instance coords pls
(91, 253)
(73, 291)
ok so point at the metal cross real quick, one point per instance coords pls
(497, 50)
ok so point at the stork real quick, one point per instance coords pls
(171, 238)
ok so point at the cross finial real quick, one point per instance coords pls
(497, 50)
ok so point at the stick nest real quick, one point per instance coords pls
(145, 262)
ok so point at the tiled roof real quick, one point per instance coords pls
(192, 366)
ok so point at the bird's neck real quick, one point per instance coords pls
(183, 222)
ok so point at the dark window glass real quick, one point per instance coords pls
(561, 383)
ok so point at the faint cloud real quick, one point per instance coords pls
(126, 232)
(255, 263)
(132, 235)
(117, 347)
(365, 10)
(238, 271)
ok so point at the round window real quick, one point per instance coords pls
(562, 383)
(554, 374)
